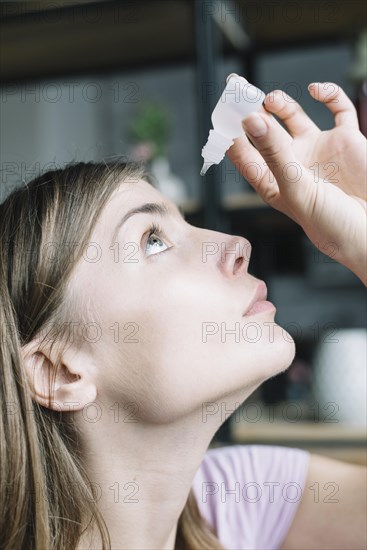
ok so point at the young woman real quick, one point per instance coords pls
(113, 380)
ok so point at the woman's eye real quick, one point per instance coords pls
(154, 243)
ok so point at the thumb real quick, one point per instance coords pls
(297, 188)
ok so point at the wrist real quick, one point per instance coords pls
(355, 253)
(358, 265)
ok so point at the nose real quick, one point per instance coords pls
(231, 254)
(234, 255)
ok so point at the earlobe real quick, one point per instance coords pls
(56, 385)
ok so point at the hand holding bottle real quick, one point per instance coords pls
(317, 178)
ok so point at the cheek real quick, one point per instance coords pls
(183, 366)
(167, 367)
(178, 346)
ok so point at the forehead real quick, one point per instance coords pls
(132, 192)
(129, 195)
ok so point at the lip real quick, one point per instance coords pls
(260, 295)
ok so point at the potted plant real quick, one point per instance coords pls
(151, 127)
(150, 131)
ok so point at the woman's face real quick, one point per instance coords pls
(169, 332)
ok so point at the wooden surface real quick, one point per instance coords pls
(89, 38)
(335, 440)
(271, 23)
(238, 201)
(281, 430)
(45, 39)
(235, 201)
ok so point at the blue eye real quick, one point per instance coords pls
(156, 231)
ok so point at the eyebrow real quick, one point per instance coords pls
(161, 209)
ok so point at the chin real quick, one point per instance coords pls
(286, 354)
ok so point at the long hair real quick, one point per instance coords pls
(39, 452)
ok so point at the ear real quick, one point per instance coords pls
(66, 386)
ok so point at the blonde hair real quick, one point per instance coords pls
(39, 451)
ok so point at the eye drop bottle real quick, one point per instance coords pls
(239, 99)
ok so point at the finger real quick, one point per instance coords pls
(337, 101)
(274, 122)
(296, 186)
(290, 113)
(251, 165)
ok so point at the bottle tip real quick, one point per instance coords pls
(205, 168)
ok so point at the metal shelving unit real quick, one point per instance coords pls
(49, 39)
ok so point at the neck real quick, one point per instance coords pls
(144, 475)
(145, 471)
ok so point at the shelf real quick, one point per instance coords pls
(93, 37)
(273, 23)
(337, 440)
(240, 201)
(45, 39)
(191, 206)
(233, 202)
(305, 431)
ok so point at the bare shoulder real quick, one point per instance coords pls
(332, 512)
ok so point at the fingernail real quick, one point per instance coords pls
(254, 125)
(312, 85)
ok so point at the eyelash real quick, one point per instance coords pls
(155, 229)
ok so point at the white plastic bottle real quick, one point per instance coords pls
(239, 99)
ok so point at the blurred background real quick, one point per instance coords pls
(86, 81)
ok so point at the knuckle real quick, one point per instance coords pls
(271, 151)
(274, 96)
